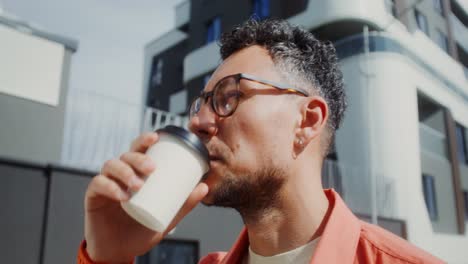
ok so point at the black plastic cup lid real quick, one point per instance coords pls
(188, 138)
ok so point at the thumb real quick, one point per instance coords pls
(200, 191)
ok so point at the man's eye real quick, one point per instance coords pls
(231, 94)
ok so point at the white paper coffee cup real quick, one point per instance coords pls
(181, 160)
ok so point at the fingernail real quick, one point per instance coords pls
(124, 196)
(136, 182)
(148, 165)
(153, 137)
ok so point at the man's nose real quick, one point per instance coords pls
(204, 123)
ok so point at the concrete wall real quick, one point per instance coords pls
(42, 217)
(22, 192)
(43, 213)
(65, 228)
(215, 228)
(33, 131)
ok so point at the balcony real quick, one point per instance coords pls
(463, 4)
(432, 141)
(99, 127)
(354, 185)
(182, 14)
(201, 61)
(460, 32)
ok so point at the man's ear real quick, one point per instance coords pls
(314, 114)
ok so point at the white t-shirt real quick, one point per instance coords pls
(300, 255)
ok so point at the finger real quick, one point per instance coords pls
(104, 186)
(122, 172)
(200, 191)
(139, 162)
(144, 141)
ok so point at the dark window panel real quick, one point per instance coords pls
(421, 21)
(461, 144)
(391, 5)
(213, 32)
(465, 197)
(172, 251)
(261, 8)
(430, 196)
(442, 41)
(438, 6)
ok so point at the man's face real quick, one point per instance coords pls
(250, 150)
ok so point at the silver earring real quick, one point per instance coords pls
(299, 141)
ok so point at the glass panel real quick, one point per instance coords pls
(172, 252)
(461, 144)
(421, 20)
(430, 196)
(261, 8)
(391, 6)
(438, 6)
(442, 41)
(432, 128)
(213, 32)
(465, 196)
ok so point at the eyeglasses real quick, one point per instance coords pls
(226, 94)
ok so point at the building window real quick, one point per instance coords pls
(430, 196)
(261, 8)
(421, 20)
(156, 78)
(438, 6)
(461, 144)
(213, 32)
(442, 41)
(432, 128)
(391, 6)
(172, 251)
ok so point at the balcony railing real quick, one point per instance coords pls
(155, 119)
(432, 141)
(382, 42)
(353, 184)
(99, 127)
(391, 8)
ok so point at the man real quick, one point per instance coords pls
(267, 116)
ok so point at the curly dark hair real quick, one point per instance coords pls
(303, 60)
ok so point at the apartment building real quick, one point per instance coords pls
(34, 73)
(400, 158)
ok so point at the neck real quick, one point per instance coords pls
(296, 219)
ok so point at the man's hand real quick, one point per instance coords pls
(111, 234)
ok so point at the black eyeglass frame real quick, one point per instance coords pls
(238, 76)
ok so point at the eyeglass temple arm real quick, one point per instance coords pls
(276, 85)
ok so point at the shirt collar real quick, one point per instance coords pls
(337, 243)
(340, 237)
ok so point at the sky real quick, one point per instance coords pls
(111, 36)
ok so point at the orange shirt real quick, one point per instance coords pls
(345, 239)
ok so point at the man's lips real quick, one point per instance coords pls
(215, 158)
